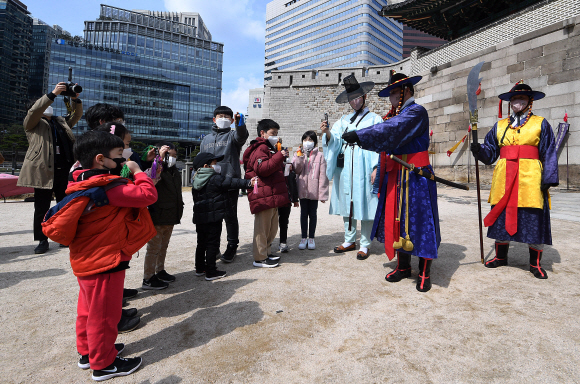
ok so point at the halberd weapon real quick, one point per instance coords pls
(428, 175)
(473, 81)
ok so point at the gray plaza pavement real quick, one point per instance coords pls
(318, 318)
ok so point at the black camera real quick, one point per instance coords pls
(71, 88)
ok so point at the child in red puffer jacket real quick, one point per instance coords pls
(261, 159)
(104, 221)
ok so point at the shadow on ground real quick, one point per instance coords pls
(8, 279)
(198, 329)
(168, 380)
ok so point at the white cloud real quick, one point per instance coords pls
(225, 19)
(237, 99)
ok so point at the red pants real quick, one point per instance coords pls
(98, 313)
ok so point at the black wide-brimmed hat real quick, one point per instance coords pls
(354, 90)
(204, 158)
(522, 89)
(398, 80)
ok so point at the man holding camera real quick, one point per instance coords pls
(49, 156)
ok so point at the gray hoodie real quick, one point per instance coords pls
(226, 142)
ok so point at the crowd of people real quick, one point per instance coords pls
(112, 201)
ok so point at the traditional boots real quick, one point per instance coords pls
(424, 278)
(403, 269)
(535, 267)
(501, 255)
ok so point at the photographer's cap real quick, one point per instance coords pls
(204, 158)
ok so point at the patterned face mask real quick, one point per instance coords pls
(519, 104)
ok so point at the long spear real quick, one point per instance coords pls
(473, 82)
(428, 175)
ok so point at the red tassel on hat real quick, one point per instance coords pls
(499, 112)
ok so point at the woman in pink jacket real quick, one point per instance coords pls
(310, 168)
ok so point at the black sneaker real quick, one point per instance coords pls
(120, 367)
(131, 312)
(268, 263)
(154, 283)
(214, 275)
(125, 302)
(128, 324)
(84, 360)
(274, 257)
(42, 247)
(230, 254)
(199, 273)
(129, 293)
(164, 276)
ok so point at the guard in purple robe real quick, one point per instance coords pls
(407, 218)
(527, 168)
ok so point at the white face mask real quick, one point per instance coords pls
(308, 145)
(171, 161)
(273, 140)
(223, 122)
(48, 111)
(127, 152)
(217, 168)
(356, 104)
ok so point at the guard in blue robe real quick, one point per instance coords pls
(527, 168)
(350, 168)
(407, 218)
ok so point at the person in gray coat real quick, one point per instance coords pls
(227, 142)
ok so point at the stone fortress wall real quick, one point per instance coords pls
(540, 45)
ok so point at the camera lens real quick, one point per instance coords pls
(76, 88)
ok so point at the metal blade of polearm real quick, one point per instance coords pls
(473, 81)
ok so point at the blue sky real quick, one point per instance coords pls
(239, 24)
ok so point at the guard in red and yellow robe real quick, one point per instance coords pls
(527, 168)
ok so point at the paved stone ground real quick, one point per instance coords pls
(319, 318)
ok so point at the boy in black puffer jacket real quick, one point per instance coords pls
(210, 194)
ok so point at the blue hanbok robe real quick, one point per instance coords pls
(533, 223)
(365, 202)
(407, 133)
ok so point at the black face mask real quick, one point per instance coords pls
(117, 170)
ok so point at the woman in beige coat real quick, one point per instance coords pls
(49, 156)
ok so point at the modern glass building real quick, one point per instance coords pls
(38, 70)
(15, 37)
(307, 34)
(165, 79)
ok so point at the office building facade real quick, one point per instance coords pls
(165, 79)
(15, 41)
(189, 18)
(312, 34)
(38, 70)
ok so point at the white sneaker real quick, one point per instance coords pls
(311, 244)
(302, 244)
(283, 248)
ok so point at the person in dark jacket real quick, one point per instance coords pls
(210, 205)
(284, 211)
(227, 142)
(261, 159)
(165, 213)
